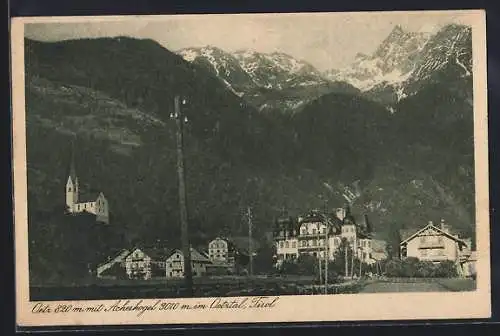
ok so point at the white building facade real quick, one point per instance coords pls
(98, 206)
(436, 244)
(320, 236)
(174, 264)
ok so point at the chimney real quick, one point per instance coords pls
(430, 223)
(442, 225)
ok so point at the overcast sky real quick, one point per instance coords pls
(326, 40)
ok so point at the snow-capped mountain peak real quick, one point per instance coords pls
(275, 70)
(404, 58)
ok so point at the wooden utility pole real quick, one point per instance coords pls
(360, 262)
(352, 259)
(326, 258)
(186, 248)
(346, 246)
(318, 255)
(250, 242)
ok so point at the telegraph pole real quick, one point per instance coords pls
(360, 261)
(326, 258)
(318, 255)
(250, 245)
(345, 257)
(186, 248)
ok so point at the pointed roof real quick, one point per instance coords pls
(72, 168)
(432, 226)
(195, 255)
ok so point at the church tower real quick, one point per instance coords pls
(72, 188)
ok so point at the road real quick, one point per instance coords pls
(384, 287)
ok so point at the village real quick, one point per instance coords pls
(317, 238)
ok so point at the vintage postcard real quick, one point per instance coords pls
(305, 167)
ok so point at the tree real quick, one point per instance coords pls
(446, 269)
(263, 261)
(409, 267)
(393, 268)
(307, 265)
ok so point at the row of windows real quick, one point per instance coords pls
(433, 239)
(437, 253)
(305, 243)
(219, 244)
(366, 243)
(304, 231)
(217, 255)
(287, 244)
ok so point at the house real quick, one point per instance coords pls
(321, 234)
(146, 263)
(174, 264)
(232, 253)
(221, 251)
(436, 244)
(118, 259)
(78, 203)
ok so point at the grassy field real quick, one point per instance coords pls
(458, 284)
(237, 286)
(420, 285)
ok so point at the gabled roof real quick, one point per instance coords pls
(432, 226)
(195, 255)
(153, 252)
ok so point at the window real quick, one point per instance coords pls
(440, 239)
(281, 244)
(287, 244)
(314, 242)
(313, 231)
(294, 244)
(304, 243)
(423, 239)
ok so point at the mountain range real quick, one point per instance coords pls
(113, 98)
(403, 63)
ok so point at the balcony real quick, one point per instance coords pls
(312, 248)
(431, 245)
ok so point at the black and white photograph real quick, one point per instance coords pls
(243, 160)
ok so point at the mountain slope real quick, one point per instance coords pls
(268, 81)
(114, 97)
(407, 61)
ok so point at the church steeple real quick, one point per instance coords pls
(72, 188)
(72, 169)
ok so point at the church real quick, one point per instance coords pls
(75, 203)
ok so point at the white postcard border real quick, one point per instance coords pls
(345, 307)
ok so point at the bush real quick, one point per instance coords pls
(414, 268)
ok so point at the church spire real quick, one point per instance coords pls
(72, 169)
